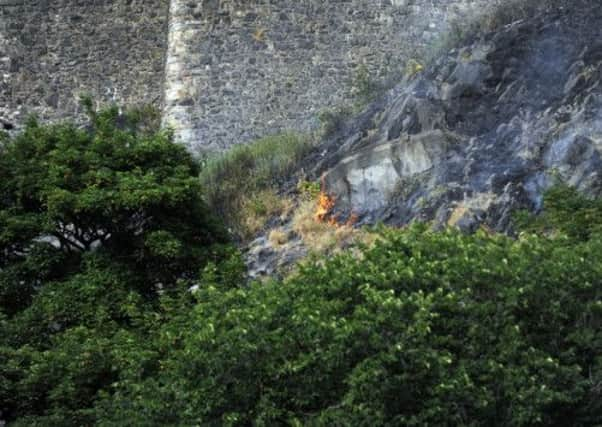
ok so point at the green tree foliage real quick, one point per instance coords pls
(567, 212)
(425, 328)
(67, 190)
(95, 223)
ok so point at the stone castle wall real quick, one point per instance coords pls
(52, 51)
(224, 71)
(240, 69)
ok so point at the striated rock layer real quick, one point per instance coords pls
(482, 132)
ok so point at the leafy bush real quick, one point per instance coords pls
(232, 181)
(95, 224)
(69, 190)
(424, 328)
(567, 212)
(332, 120)
(364, 87)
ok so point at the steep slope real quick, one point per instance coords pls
(482, 132)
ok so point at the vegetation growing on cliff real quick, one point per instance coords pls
(121, 303)
(241, 184)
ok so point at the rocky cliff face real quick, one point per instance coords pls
(482, 132)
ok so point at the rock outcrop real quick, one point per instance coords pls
(482, 132)
(479, 134)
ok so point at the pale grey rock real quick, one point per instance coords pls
(482, 133)
(265, 259)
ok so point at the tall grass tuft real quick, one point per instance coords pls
(239, 179)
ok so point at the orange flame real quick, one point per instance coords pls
(325, 206)
(324, 212)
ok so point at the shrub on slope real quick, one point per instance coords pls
(426, 328)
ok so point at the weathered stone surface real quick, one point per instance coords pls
(263, 259)
(366, 181)
(483, 132)
(225, 71)
(51, 52)
(240, 69)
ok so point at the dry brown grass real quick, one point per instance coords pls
(240, 185)
(324, 237)
(316, 235)
(278, 237)
(457, 215)
(258, 208)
